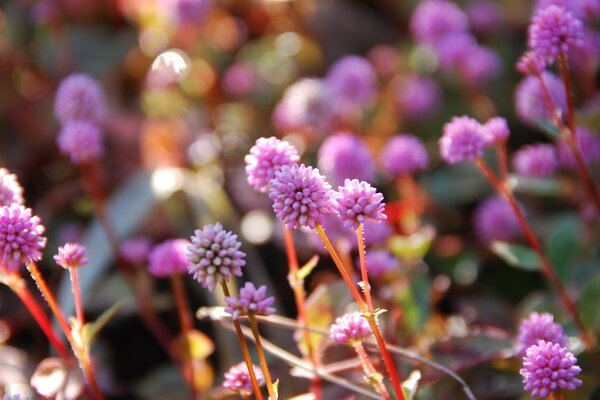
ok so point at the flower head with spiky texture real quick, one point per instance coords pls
(496, 130)
(20, 236)
(536, 160)
(10, 190)
(540, 326)
(79, 97)
(530, 105)
(301, 196)
(251, 300)
(434, 19)
(358, 201)
(214, 256)
(266, 157)
(348, 328)
(547, 367)
(463, 139)
(80, 140)
(494, 219)
(404, 154)
(346, 156)
(168, 258)
(71, 255)
(237, 379)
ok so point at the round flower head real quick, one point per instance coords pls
(530, 64)
(496, 130)
(168, 258)
(10, 190)
(554, 30)
(343, 155)
(379, 261)
(250, 301)
(135, 250)
(540, 326)
(80, 140)
(265, 157)
(589, 144)
(351, 79)
(349, 328)
(494, 219)
(214, 255)
(537, 160)
(453, 49)
(463, 139)
(237, 379)
(529, 98)
(416, 97)
(358, 201)
(301, 196)
(577, 7)
(239, 79)
(71, 255)
(404, 154)
(548, 367)
(79, 97)
(20, 236)
(434, 19)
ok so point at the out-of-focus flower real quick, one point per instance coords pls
(237, 379)
(496, 130)
(577, 7)
(81, 141)
(480, 64)
(344, 155)
(452, 50)
(135, 250)
(379, 261)
(463, 139)
(190, 10)
(540, 326)
(484, 15)
(71, 255)
(351, 80)
(530, 64)
(348, 328)
(434, 19)
(10, 190)
(79, 97)
(548, 367)
(239, 79)
(589, 145)
(301, 196)
(251, 300)
(494, 219)
(385, 59)
(376, 232)
(530, 101)
(358, 201)
(20, 236)
(404, 154)
(537, 160)
(168, 258)
(214, 256)
(266, 157)
(416, 97)
(587, 55)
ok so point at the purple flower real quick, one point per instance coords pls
(484, 15)
(494, 219)
(266, 157)
(357, 201)
(10, 190)
(463, 139)
(416, 97)
(376, 232)
(168, 258)
(548, 367)
(530, 101)
(434, 19)
(350, 328)
(530, 64)
(239, 79)
(191, 10)
(577, 7)
(589, 145)
(453, 49)
(480, 64)
(71, 255)
(80, 140)
(301, 196)
(554, 30)
(214, 256)
(135, 250)
(343, 155)
(20, 236)
(404, 154)
(587, 56)
(237, 379)
(250, 301)
(540, 326)
(537, 160)
(379, 261)
(351, 80)
(496, 130)
(79, 97)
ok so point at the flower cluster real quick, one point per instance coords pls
(266, 157)
(345, 156)
(463, 139)
(540, 326)
(168, 258)
(237, 379)
(349, 328)
(494, 219)
(404, 154)
(357, 201)
(251, 300)
(21, 237)
(71, 255)
(10, 190)
(538, 161)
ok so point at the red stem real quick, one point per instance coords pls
(77, 296)
(370, 372)
(502, 160)
(363, 268)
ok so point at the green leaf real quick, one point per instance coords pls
(564, 245)
(412, 247)
(518, 256)
(588, 304)
(93, 328)
(536, 186)
(410, 385)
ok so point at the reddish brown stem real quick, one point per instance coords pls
(373, 377)
(77, 296)
(502, 160)
(363, 268)
(261, 357)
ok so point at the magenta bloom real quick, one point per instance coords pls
(250, 301)
(168, 258)
(480, 64)
(214, 256)
(10, 190)
(135, 250)
(379, 261)
(358, 201)
(484, 15)
(548, 367)
(344, 155)
(348, 328)
(494, 219)
(453, 49)
(463, 139)
(404, 154)
(79, 97)
(530, 64)
(301, 196)
(554, 30)
(351, 79)
(434, 19)
(496, 130)
(80, 140)
(529, 98)
(20, 236)
(540, 326)
(239, 79)
(71, 255)
(237, 379)
(191, 10)
(589, 144)
(537, 160)
(417, 97)
(266, 157)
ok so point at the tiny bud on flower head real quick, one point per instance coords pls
(80, 140)
(79, 97)
(168, 258)
(357, 201)
(540, 326)
(10, 190)
(20, 236)
(348, 328)
(463, 139)
(71, 255)
(250, 301)
(266, 157)
(237, 379)
(536, 160)
(404, 154)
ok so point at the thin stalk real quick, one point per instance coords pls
(77, 296)
(363, 268)
(245, 352)
(297, 284)
(547, 268)
(261, 357)
(502, 160)
(373, 377)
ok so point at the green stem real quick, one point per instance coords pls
(261, 357)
